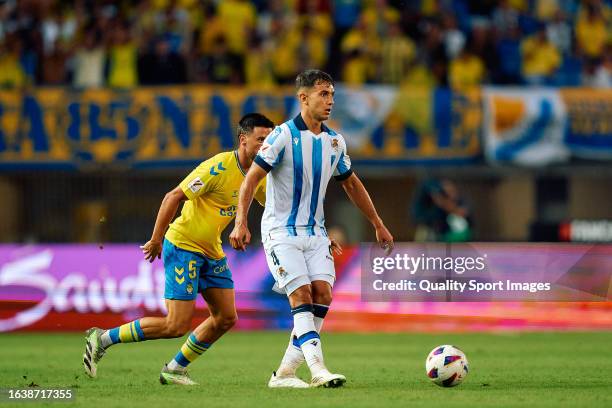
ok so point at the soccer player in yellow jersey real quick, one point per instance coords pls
(193, 258)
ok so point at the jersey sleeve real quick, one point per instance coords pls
(201, 180)
(273, 149)
(343, 169)
(260, 192)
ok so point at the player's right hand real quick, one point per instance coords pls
(151, 250)
(240, 237)
(384, 238)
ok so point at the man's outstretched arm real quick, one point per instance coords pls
(241, 236)
(359, 196)
(170, 204)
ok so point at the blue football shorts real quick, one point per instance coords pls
(189, 273)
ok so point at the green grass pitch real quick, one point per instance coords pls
(383, 370)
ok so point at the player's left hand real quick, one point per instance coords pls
(151, 250)
(240, 237)
(335, 247)
(384, 238)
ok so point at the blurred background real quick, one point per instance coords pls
(466, 120)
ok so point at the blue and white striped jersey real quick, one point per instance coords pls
(299, 165)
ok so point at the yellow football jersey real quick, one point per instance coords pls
(212, 189)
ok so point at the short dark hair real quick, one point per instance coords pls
(252, 120)
(310, 77)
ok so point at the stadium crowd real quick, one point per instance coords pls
(456, 43)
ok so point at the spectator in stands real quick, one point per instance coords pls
(88, 61)
(482, 45)
(54, 70)
(454, 39)
(540, 58)
(433, 52)
(24, 24)
(359, 37)
(222, 66)
(316, 28)
(356, 68)
(258, 65)
(122, 59)
(598, 75)
(345, 15)
(162, 65)
(311, 46)
(418, 75)
(12, 74)
(397, 52)
(377, 16)
(466, 71)
(545, 10)
(559, 33)
(239, 18)
(284, 62)
(210, 28)
(591, 32)
(509, 56)
(175, 25)
(505, 18)
(57, 28)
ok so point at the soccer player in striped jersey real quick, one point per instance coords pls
(299, 158)
(193, 257)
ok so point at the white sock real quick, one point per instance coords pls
(293, 358)
(105, 339)
(174, 366)
(318, 321)
(310, 343)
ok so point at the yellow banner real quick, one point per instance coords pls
(179, 125)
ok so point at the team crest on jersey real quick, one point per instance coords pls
(235, 194)
(281, 272)
(195, 185)
(189, 288)
(334, 143)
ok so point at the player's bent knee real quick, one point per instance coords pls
(321, 292)
(300, 296)
(322, 298)
(224, 323)
(177, 329)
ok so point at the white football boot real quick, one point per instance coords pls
(179, 377)
(290, 381)
(328, 380)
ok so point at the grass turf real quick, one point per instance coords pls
(383, 370)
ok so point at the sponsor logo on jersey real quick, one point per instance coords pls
(228, 212)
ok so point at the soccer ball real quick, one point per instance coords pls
(446, 366)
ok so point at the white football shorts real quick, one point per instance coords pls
(298, 261)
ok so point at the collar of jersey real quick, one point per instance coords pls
(301, 125)
(238, 163)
